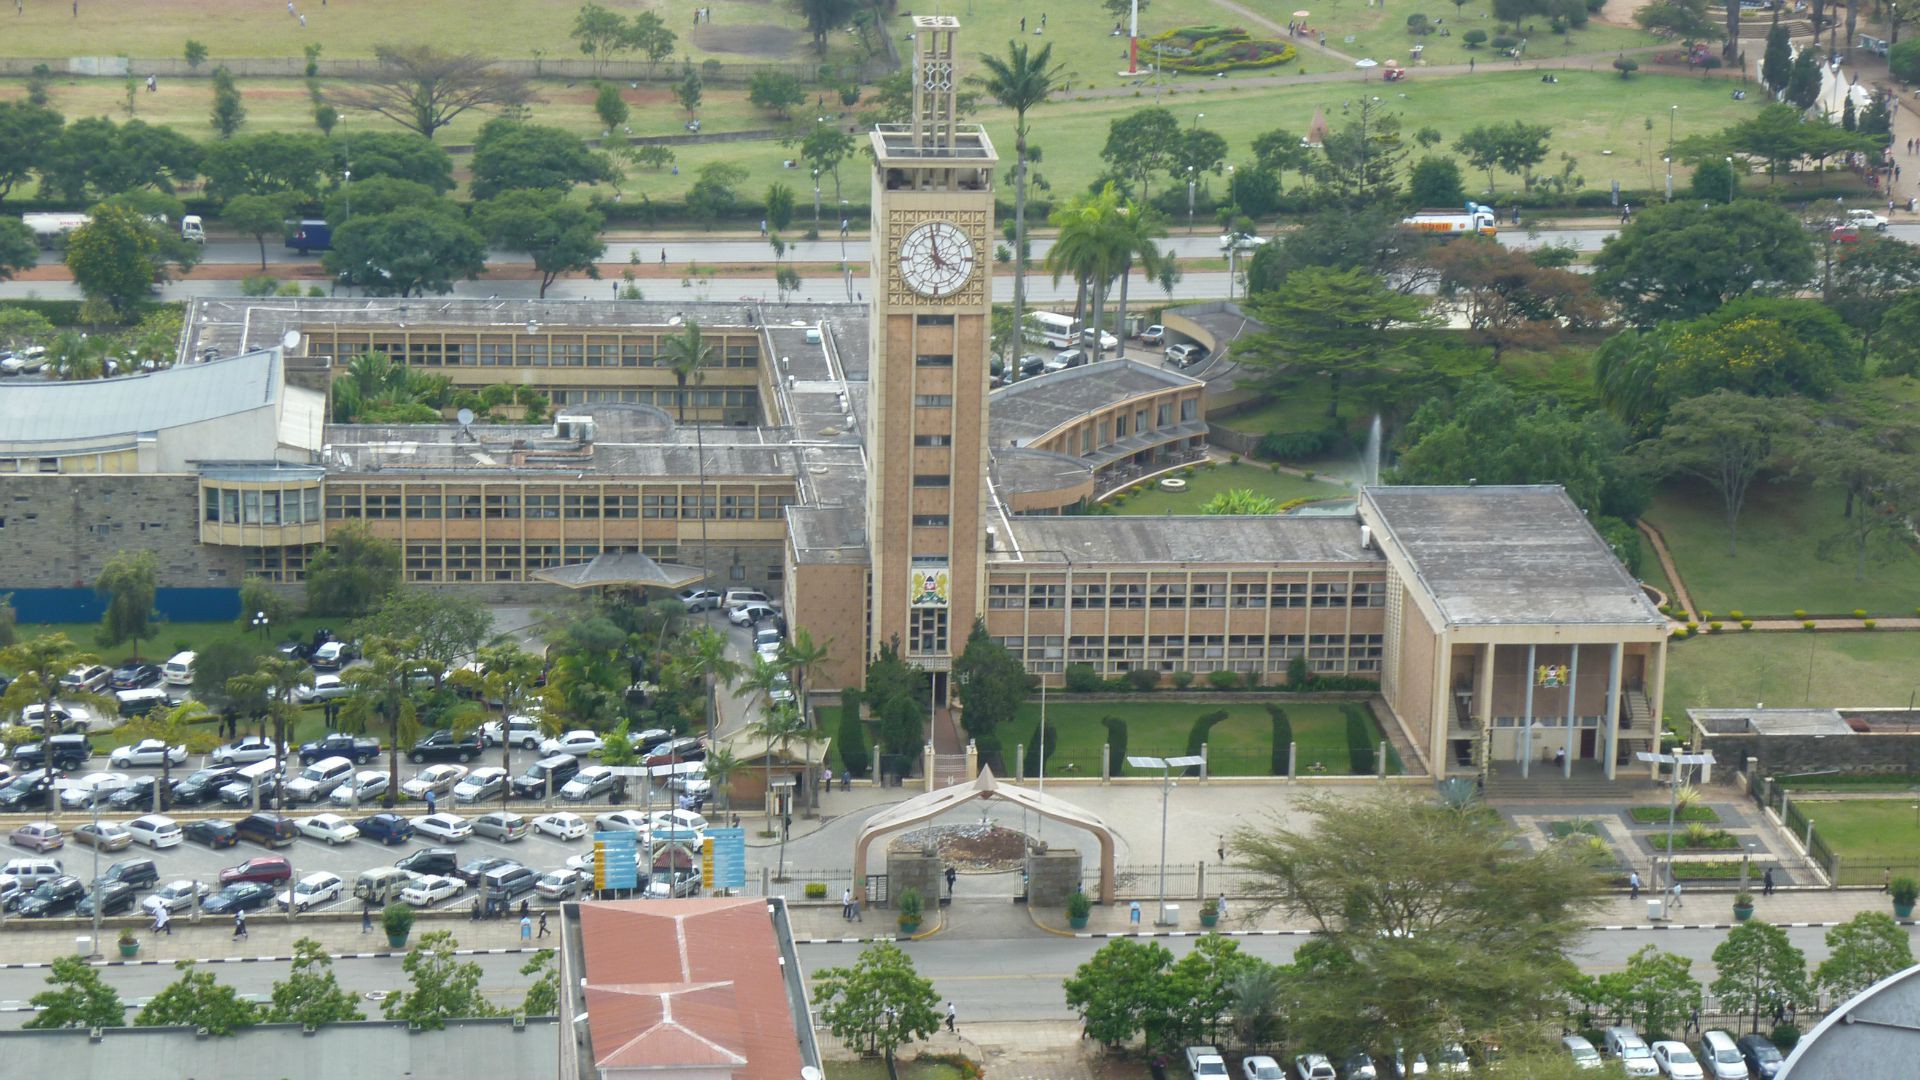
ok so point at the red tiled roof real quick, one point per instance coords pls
(688, 983)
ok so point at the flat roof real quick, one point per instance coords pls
(1017, 471)
(1770, 721)
(188, 393)
(1122, 540)
(629, 441)
(1026, 411)
(1507, 555)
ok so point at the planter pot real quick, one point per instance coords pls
(1742, 912)
(1903, 911)
(1208, 920)
(129, 949)
(1078, 922)
(909, 928)
(399, 940)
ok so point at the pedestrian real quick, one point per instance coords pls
(1043, 20)
(475, 916)
(1693, 1020)
(526, 928)
(366, 916)
(289, 7)
(1886, 879)
(303, 22)
(1469, 65)
(826, 778)
(951, 876)
(763, 226)
(1633, 885)
(786, 826)
(163, 921)
(154, 84)
(846, 780)
(663, 256)
(1677, 896)
(1221, 850)
(1023, 29)
(856, 910)
(543, 925)
(525, 909)
(1133, 913)
(1221, 905)
(1766, 882)
(950, 1013)
(846, 905)
(240, 924)
(430, 802)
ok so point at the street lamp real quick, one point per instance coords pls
(347, 184)
(1679, 763)
(260, 622)
(1166, 767)
(1189, 200)
(1669, 161)
(816, 200)
(843, 228)
(1733, 181)
(1672, 110)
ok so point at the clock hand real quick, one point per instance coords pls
(933, 247)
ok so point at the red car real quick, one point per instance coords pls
(267, 869)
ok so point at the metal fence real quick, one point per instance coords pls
(295, 67)
(1801, 817)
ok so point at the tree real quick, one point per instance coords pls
(273, 682)
(878, 1005)
(215, 668)
(1725, 440)
(1759, 968)
(1434, 919)
(601, 33)
(445, 628)
(1360, 163)
(1678, 261)
(423, 89)
(1343, 322)
(1509, 299)
(1656, 992)
(1021, 81)
(179, 725)
(196, 54)
(1199, 152)
(648, 33)
(779, 206)
(1254, 190)
(353, 573)
(1092, 246)
(1435, 181)
(258, 216)
(543, 991)
(610, 107)
(1776, 67)
(443, 987)
(310, 994)
(1714, 181)
(80, 998)
(228, 112)
(1803, 83)
(127, 581)
(9, 628)
(562, 236)
(197, 1000)
(706, 653)
(1140, 144)
(510, 154)
(1898, 343)
(1113, 991)
(688, 356)
(1877, 476)
(402, 155)
(1240, 501)
(1862, 951)
(824, 148)
(1869, 278)
(114, 256)
(1256, 999)
(1903, 59)
(1773, 347)
(94, 156)
(385, 194)
(775, 91)
(992, 683)
(1282, 150)
(1684, 19)
(28, 132)
(715, 192)
(823, 17)
(1516, 147)
(19, 250)
(687, 90)
(409, 252)
(268, 163)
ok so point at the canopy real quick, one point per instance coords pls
(620, 568)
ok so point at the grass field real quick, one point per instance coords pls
(1240, 745)
(1733, 670)
(1204, 484)
(1380, 32)
(1779, 567)
(169, 638)
(1867, 835)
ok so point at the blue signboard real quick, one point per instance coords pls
(729, 858)
(616, 861)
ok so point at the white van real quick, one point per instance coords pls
(1626, 1045)
(142, 701)
(252, 776)
(179, 670)
(1721, 1056)
(319, 779)
(382, 884)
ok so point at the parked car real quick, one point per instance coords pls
(63, 717)
(28, 874)
(149, 753)
(633, 821)
(324, 688)
(1185, 355)
(56, 897)
(355, 748)
(502, 825)
(590, 782)
(365, 787)
(243, 751)
(272, 869)
(105, 835)
(132, 703)
(1453, 1059)
(481, 784)
(561, 826)
(437, 779)
(751, 615)
(37, 836)
(546, 776)
(239, 896)
(331, 828)
(451, 828)
(178, 670)
(203, 785)
(1068, 358)
(156, 831)
(503, 883)
(672, 885)
(470, 872)
(1720, 1056)
(436, 860)
(1261, 1067)
(386, 828)
(133, 676)
(268, 830)
(1583, 1053)
(332, 655)
(700, 599)
(176, 895)
(644, 741)
(86, 679)
(83, 791)
(27, 791)
(675, 751)
(1762, 1057)
(578, 743)
(521, 730)
(318, 780)
(1676, 1061)
(1359, 1066)
(136, 796)
(138, 873)
(680, 826)
(111, 897)
(312, 890)
(444, 745)
(430, 889)
(562, 884)
(213, 832)
(1631, 1050)
(64, 752)
(1155, 335)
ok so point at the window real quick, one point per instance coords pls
(694, 506)
(581, 506)
(933, 360)
(422, 506)
(927, 630)
(1369, 594)
(1164, 418)
(542, 506)
(933, 320)
(48, 464)
(503, 506)
(1207, 596)
(1001, 597)
(659, 506)
(340, 505)
(620, 506)
(1089, 597)
(212, 498)
(1119, 427)
(1248, 595)
(932, 480)
(930, 521)
(1127, 596)
(1189, 408)
(933, 440)
(933, 401)
(1046, 597)
(736, 508)
(1168, 596)
(1331, 594)
(1288, 596)
(772, 505)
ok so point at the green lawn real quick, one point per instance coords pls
(1380, 32)
(1205, 483)
(1868, 835)
(169, 638)
(1733, 670)
(1240, 745)
(1301, 405)
(1780, 565)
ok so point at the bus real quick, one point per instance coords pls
(1062, 331)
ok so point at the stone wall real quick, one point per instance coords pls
(59, 530)
(920, 871)
(1053, 876)
(1782, 755)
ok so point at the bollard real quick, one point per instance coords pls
(1203, 762)
(1020, 760)
(1380, 761)
(1293, 761)
(1106, 762)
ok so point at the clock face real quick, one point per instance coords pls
(936, 259)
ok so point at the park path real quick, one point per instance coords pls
(1667, 564)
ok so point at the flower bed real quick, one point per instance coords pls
(1657, 815)
(1209, 50)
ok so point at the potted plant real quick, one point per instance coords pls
(1210, 912)
(1078, 906)
(1905, 890)
(1742, 906)
(129, 945)
(910, 911)
(397, 921)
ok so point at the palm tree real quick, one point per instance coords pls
(1139, 227)
(1093, 246)
(706, 654)
(1021, 81)
(803, 657)
(383, 694)
(174, 727)
(778, 726)
(510, 670)
(688, 357)
(275, 678)
(722, 765)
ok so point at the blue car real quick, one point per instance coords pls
(386, 828)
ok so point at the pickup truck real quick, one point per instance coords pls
(1205, 1063)
(358, 749)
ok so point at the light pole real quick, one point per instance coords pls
(260, 622)
(816, 200)
(1669, 161)
(347, 185)
(1166, 767)
(1672, 110)
(1189, 200)
(843, 228)
(96, 953)
(1679, 763)
(1733, 181)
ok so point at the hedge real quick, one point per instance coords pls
(1031, 767)
(1282, 738)
(1359, 741)
(1197, 736)
(1116, 744)
(67, 312)
(1083, 679)
(854, 756)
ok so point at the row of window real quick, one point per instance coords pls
(546, 351)
(279, 563)
(927, 631)
(570, 505)
(664, 397)
(45, 464)
(1122, 425)
(1117, 653)
(506, 562)
(247, 506)
(1099, 595)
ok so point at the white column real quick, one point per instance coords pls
(1526, 718)
(1573, 697)
(1483, 698)
(1612, 724)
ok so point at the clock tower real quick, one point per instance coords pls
(931, 328)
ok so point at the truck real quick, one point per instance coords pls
(358, 750)
(1205, 1063)
(1472, 218)
(52, 229)
(309, 234)
(192, 229)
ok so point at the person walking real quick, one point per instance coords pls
(1221, 905)
(952, 876)
(1677, 895)
(163, 921)
(366, 916)
(240, 924)
(1633, 885)
(1766, 882)
(431, 803)
(846, 905)
(543, 926)
(526, 928)
(1886, 879)
(950, 1016)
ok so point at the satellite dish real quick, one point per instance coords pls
(465, 416)
(291, 339)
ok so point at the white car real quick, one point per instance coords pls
(1866, 219)
(439, 779)
(176, 896)
(780, 691)
(332, 828)
(1453, 1059)
(1184, 355)
(578, 743)
(430, 889)
(151, 752)
(561, 826)
(482, 783)
(582, 862)
(156, 831)
(694, 783)
(1240, 241)
(588, 782)
(521, 730)
(767, 641)
(634, 821)
(1313, 1067)
(1261, 1067)
(562, 884)
(677, 825)
(312, 889)
(1677, 1062)
(324, 688)
(243, 751)
(700, 599)
(364, 787)
(751, 614)
(449, 827)
(91, 788)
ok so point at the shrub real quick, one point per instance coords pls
(1182, 680)
(1904, 60)
(1223, 680)
(1807, 625)
(1282, 739)
(1078, 906)
(1034, 758)
(1233, 459)
(1735, 615)
(1626, 66)
(1859, 613)
(1785, 1036)
(397, 919)
(1869, 624)
(1693, 624)
(855, 758)
(1904, 890)
(1082, 679)
(1359, 740)
(1473, 39)
(1142, 680)
(1504, 42)
(816, 890)
(1290, 445)
(1680, 632)
(911, 907)
(1746, 624)
(1706, 616)
(1299, 677)
(1799, 613)
(1116, 744)
(258, 285)
(1714, 626)
(1202, 724)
